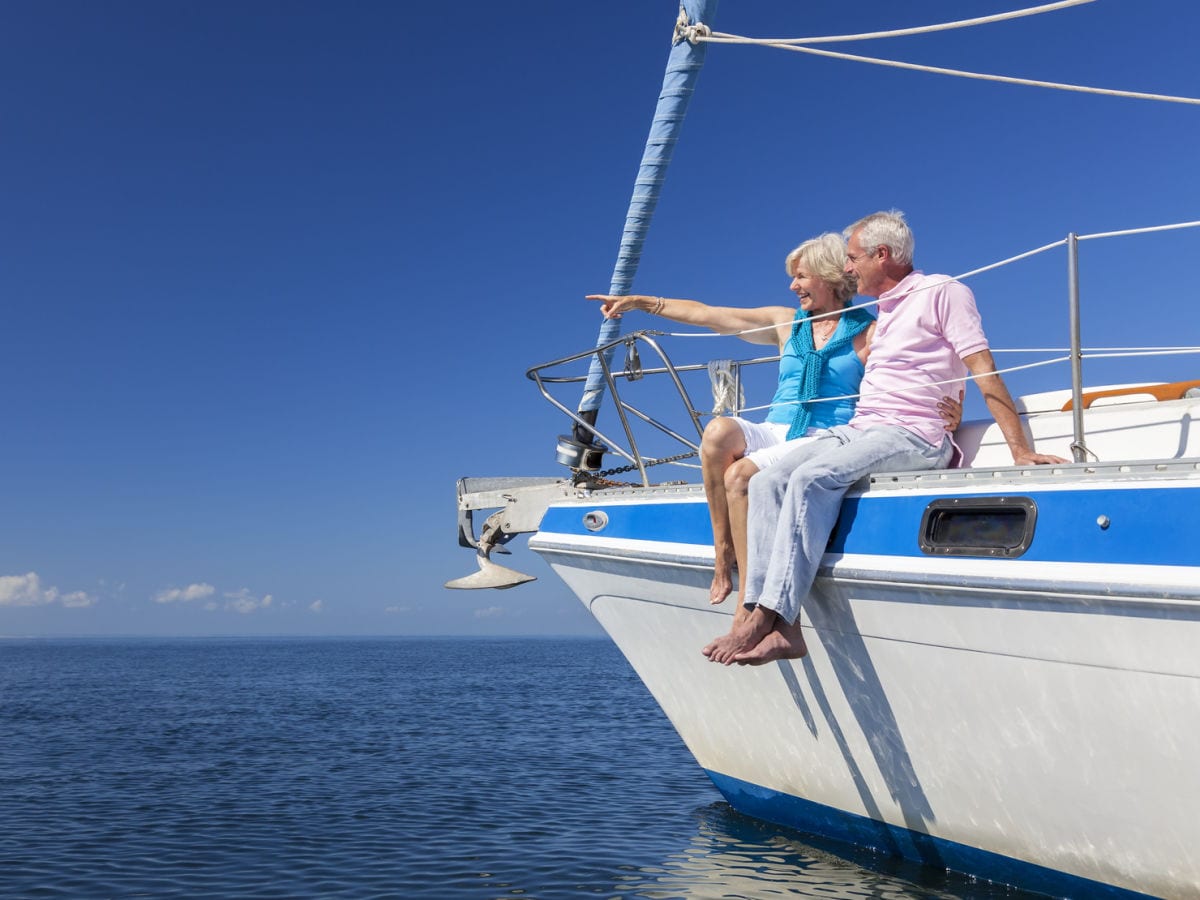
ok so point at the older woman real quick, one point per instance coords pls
(823, 348)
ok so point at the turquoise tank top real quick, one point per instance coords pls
(841, 375)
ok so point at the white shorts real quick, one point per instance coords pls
(766, 442)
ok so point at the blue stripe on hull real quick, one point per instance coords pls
(1067, 529)
(680, 523)
(1147, 526)
(860, 831)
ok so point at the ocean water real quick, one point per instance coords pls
(398, 768)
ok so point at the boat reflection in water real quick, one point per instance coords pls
(736, 856)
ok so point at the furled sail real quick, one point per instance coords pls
(679, 81)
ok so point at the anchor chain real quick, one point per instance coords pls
(657, 462)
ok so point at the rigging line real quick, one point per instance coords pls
(1105, 234)
(918, 388)
(961, 277)
(1095, 352)
(1185, 351)
(996, 350)
(816, 318)
(1092, 352)
(1149, 351)
(1005, 262)
(937, 70)
(922, 29)
(925, 287)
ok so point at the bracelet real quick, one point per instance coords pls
(658, 307)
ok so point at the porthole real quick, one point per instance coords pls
(978, 526)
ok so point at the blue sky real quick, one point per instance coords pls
(273, 273)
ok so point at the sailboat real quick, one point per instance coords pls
(1003, 676)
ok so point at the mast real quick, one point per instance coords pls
(679, 82)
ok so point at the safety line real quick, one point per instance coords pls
(910, 390)
(948, 280)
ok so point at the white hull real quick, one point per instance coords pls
(1031, 722)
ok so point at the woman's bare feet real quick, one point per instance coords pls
(722, 583)
(742, 637)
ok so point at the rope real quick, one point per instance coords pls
(902, 32)
(978, 76)
(1094, 352)
(1181, 351)
(1150, 230)
(727, 393)
(686, 31)
(696, 34)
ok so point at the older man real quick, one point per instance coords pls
(928, 334)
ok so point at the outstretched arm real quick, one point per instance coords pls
(1003, 410)
(721, 319)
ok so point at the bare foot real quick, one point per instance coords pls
(742, 637)
(784, 641)
(722, 583)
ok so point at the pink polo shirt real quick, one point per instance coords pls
(927, 324)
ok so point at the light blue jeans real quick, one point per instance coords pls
(794, 505)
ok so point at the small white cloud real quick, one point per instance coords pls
(27, 590)
(316, 606)
(183, 595)
(78, 600)
(398, 610)
(22, 590)
(489, 612)
(244, 602)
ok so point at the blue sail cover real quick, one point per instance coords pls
(683, 68)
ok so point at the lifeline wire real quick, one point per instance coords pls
(965, 275)
(1151, 229)
(870, 303)
(906, 390)
(1094, 353)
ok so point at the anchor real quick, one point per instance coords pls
(492, 537)
(522, 503)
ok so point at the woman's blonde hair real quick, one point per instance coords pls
(825, 257)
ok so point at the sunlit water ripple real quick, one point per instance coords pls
(375, 768)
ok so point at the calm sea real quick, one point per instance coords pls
(403, 768)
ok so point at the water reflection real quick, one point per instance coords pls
(734, 856)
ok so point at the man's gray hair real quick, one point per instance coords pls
(885, 229)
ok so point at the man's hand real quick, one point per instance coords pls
(951, 410)
(1029, 458)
